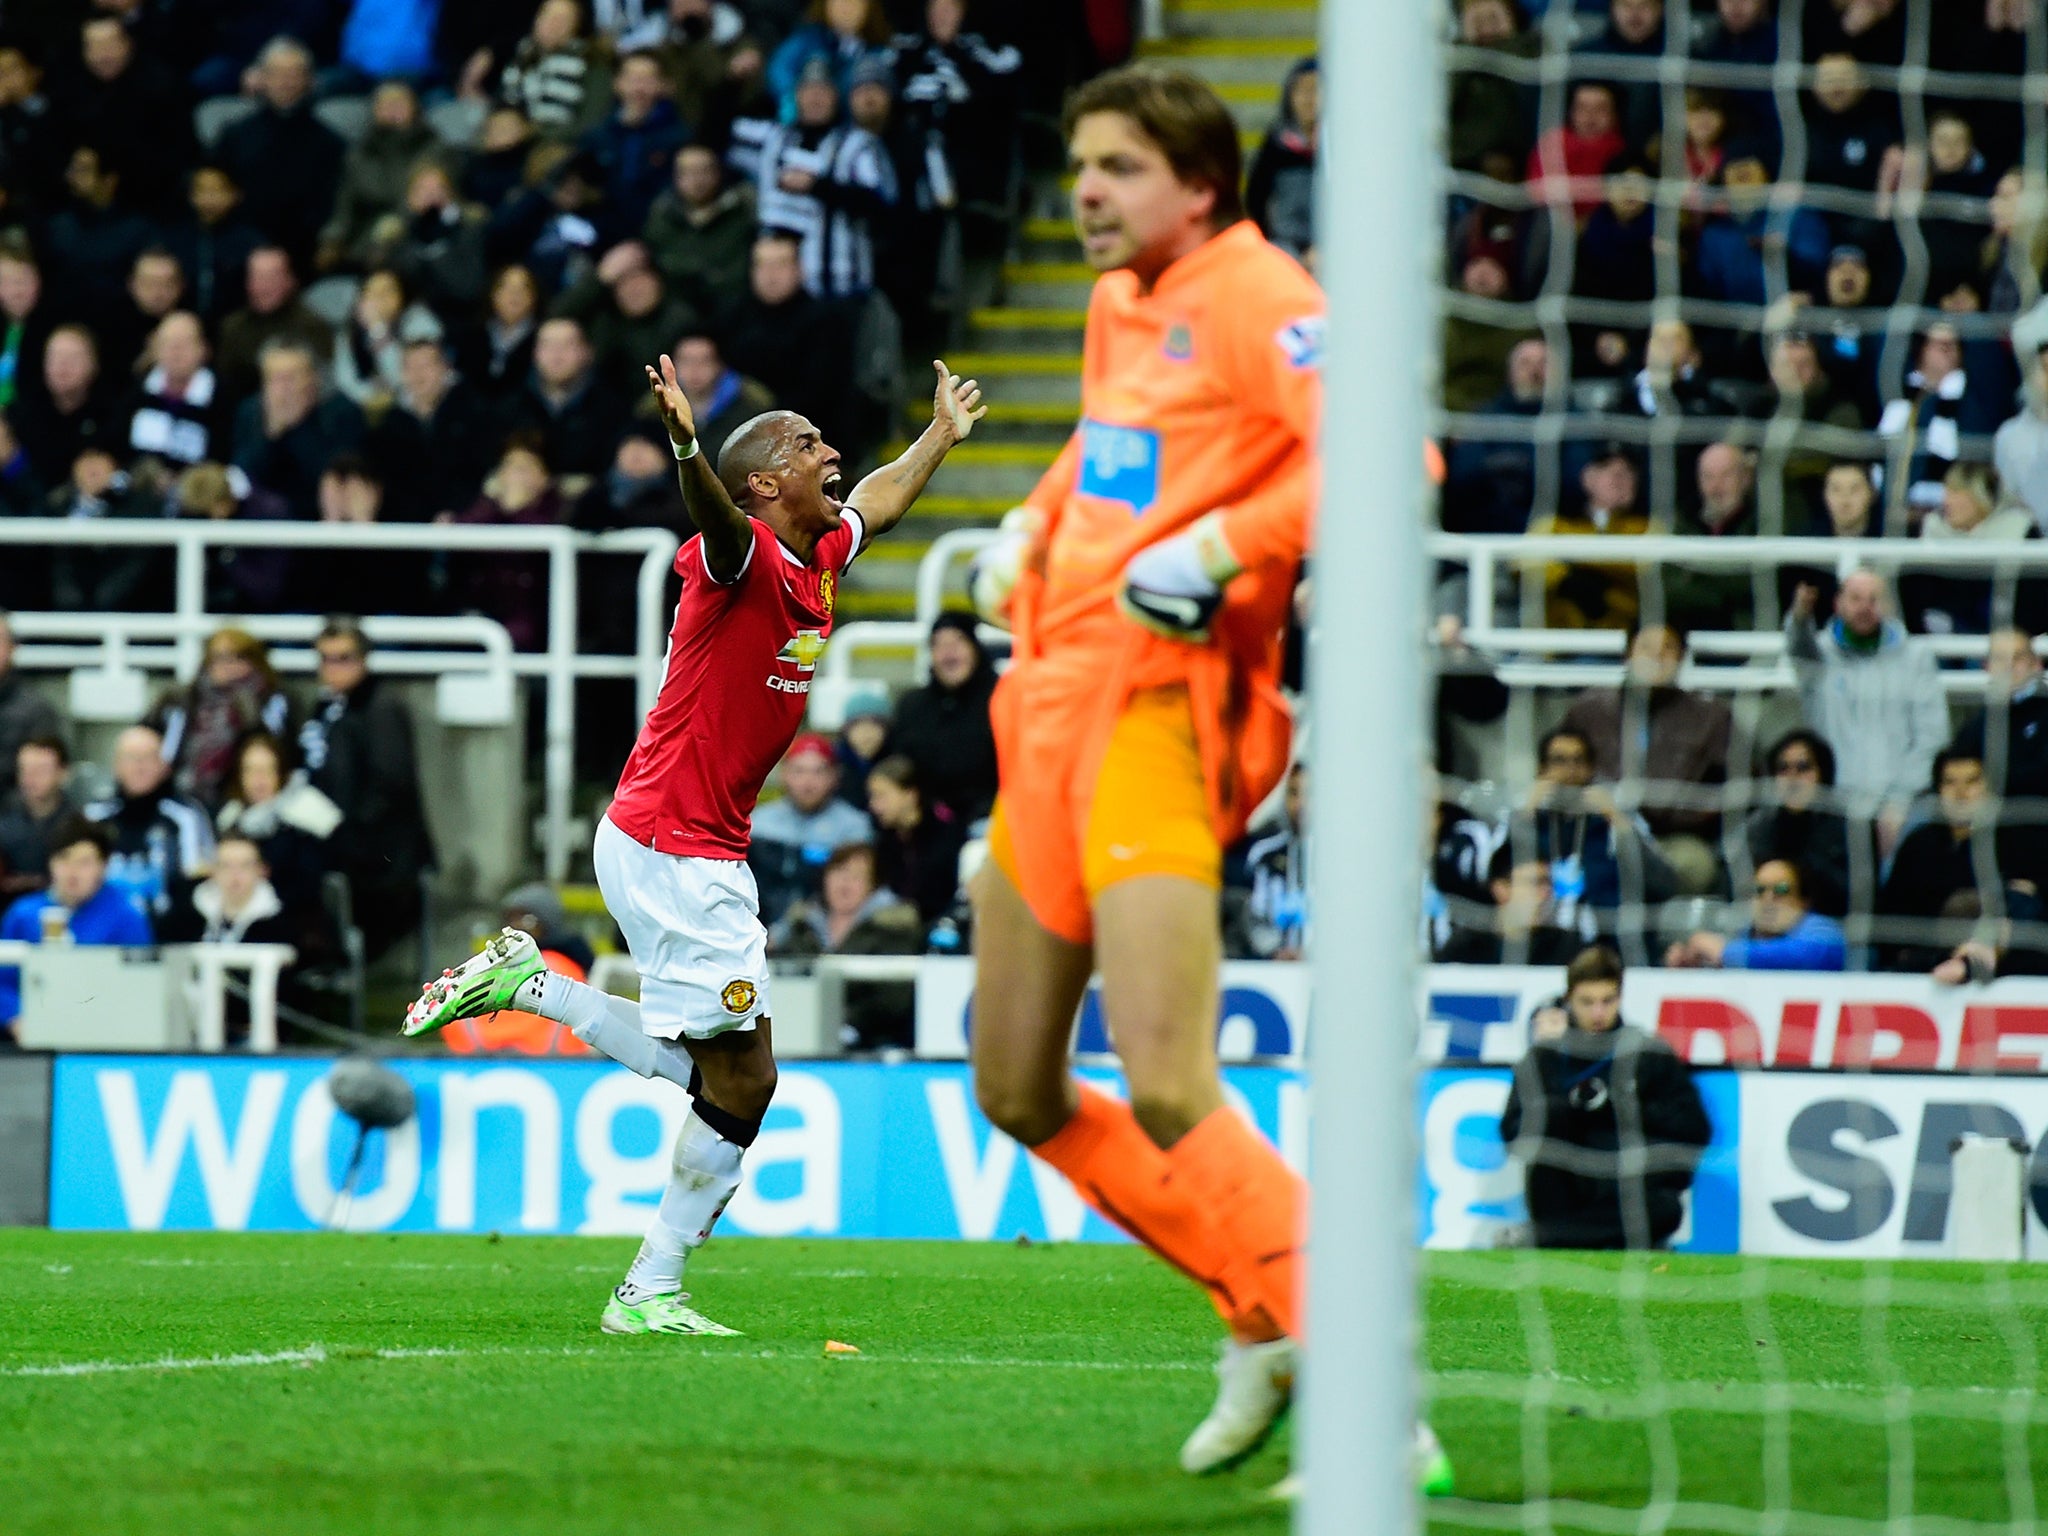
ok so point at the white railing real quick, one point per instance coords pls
(559, 664)
(962, 544)
(1751, 661)
(836, 669)
(108, 655)
(206, 968)
(1730, 661)
(160, 642)
(203, 969)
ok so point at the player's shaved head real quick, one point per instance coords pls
(759, 447)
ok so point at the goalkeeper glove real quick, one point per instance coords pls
(1174, 587)
(992, 578)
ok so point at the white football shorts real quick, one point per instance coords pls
(694, 927)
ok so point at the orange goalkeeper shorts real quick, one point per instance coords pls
(1063, 839)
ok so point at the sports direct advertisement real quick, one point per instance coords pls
(1801, 1162)
(1479, 1016)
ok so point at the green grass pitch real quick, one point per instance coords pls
(228, 1384)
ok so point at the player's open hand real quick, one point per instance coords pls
(957, 404)
(673, 404)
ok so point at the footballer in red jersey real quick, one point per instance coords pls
(759, 585)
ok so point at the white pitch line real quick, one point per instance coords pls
(311, 1356)
(321, 1354)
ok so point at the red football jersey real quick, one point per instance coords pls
(740, 659)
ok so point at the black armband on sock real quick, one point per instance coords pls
(740, 1133)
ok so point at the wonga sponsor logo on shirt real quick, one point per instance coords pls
(1120, 464)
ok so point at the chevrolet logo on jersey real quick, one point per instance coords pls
(805, 649)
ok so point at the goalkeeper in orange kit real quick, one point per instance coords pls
(1147, 581)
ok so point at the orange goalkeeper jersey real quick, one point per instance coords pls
(1204, 394)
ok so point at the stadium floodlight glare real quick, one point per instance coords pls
(1376, 219)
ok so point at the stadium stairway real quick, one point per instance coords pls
(1026, 348)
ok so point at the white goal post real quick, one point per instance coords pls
(1376, 219)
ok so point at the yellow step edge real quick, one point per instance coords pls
(1247, 94)
(888, 653)
(1227, 47)
(1049, 272)
(1007, 319)
(1050, 229)
(851, 603)
(987, 365)
(896, 551)
(990, 507)
(1031, 455)
(1019, 413)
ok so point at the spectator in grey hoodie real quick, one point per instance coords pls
(1873, 693)
(794, 837)
(23, 712)
(2020, 450)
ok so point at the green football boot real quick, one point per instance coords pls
(484, 983)
(660, 1314)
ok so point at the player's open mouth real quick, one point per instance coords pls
(832, 484)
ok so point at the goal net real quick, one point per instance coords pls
(1733, 595)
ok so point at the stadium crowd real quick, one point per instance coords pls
(374, 261)
(1811, 312)
(363, 261)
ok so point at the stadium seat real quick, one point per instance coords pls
(217, 114)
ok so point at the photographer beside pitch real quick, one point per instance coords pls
(1605, 1119)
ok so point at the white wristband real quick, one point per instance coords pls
(680, 454)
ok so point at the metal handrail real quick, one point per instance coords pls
(1484, 554)
(1767, 669)
(115, 639)
(206, 966)
(558, 664)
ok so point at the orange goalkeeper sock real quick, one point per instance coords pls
(1121, 1172)
(1258, 1208)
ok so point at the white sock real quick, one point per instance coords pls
(704, 1173)
(607, 1024)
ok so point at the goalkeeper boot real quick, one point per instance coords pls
(1257, 1384)
(1432, 1470)
(664, 1313)
(484, 983)
(1432, 1466)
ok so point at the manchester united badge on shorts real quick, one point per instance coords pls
(738, 996)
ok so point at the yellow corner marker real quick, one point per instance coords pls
(834, 1347)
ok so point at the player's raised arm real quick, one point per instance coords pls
(727, 534)
(884, 496)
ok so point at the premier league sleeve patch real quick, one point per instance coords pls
(1301, 341)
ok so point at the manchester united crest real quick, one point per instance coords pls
(826, 588)
(738, 997)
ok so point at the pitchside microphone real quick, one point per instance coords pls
(377, 1099)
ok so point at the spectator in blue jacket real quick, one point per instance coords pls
(633, 149)
(1737, 252)
(79, 907)
(389, 39)
(841, 32)
(1784, 934)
